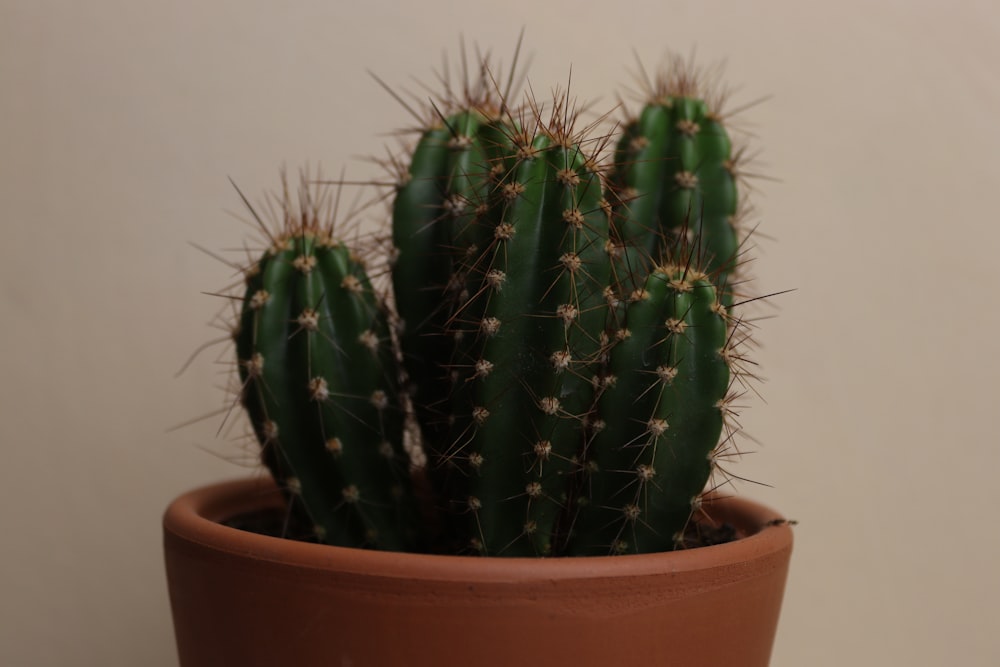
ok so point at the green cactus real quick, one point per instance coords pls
(676, 174)
(439, 202)
(539, 287)
(565, 364)
(319, 383)
(669, 372)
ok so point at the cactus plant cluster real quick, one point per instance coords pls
(560, 336)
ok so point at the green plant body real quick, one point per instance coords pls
(319, 383)
(437, 209)
(539, 286)
(676, 173)
(559, 338)
(669, 371)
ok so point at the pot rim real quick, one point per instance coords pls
(195, 517)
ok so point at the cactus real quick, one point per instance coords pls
(534, 315)
(436, 211)
(319, 383)
(565, 364)
(676, 173)
(670, 372)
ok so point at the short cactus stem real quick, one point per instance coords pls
(319, 385)
(673, 371)
(674, 176)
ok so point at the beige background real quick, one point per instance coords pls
(120, 122)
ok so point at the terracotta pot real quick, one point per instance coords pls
(241, 598)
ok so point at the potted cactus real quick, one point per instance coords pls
(502, 421)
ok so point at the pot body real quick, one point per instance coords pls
(241, 599)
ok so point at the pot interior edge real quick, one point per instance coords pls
(196, 516)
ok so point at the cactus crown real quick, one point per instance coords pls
(559, 344)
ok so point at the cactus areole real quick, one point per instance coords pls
(544, 359)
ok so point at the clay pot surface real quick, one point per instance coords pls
(240, 598)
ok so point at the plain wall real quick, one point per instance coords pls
(120, 122)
